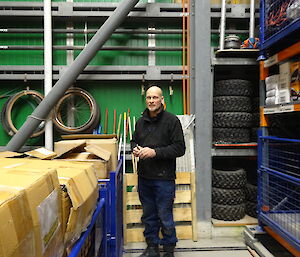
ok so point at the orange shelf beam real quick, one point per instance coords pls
(284, 243)
(289, 52)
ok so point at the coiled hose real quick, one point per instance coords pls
(76, 112)
(26, 99)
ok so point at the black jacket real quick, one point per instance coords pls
(162, 133)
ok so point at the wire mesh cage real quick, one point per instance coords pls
(279, 204)
(282, 155)
(279, 15)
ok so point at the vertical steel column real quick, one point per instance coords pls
(222, 25)
(70, 75)
(202, 79)
(48, 68)
(252, 19)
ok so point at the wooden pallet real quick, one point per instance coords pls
(184, 217)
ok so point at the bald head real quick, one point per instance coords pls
(154, 100)
(154, 89)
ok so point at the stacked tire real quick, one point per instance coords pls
(251, 200)
(228, 194)
(232, 116)
(255, 119)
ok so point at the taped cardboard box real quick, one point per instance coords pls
(93, 154)
(75, 146)
(16, 226)
(83, 194)
(100, 166)
(67, 146)
(42, 193)
(79, 191)
(110, 145)
(41, 153)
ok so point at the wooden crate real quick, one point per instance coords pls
(184, 208)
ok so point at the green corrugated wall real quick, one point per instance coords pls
(119, 95)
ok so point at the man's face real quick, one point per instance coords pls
(153, 99)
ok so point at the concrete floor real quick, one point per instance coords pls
(217, 247)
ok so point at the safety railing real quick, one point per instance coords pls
(279, 187)
(281, 154)
(279, 205)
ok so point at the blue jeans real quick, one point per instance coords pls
(157, 198)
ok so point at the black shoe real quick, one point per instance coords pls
(169, 250)
(151, 251)
(168, 254)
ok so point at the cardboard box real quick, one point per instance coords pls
(41, 153)
(66, 146)
(71, 149)
(16, 226)
(42, 193)
(78, 189)
(9, 154)
(100, 166)
(284, 83)
(272, 82)
(82, 190)
(295, 81)
(110, 145)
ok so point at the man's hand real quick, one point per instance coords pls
(144, 152)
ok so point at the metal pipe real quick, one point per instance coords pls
(70, 75)
(48, 68)
(90, 31)
(122, 48)
(222, 24)
(252, 19)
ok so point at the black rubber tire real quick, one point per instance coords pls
(228, 196)
(251, 192)
(255, 119)
(228, 212)
(231, 179)
(232, 104)
(253, 134)
(251, 209)
(255, 104)
(233, 87)
(232, 120)
(231, 135)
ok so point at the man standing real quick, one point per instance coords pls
(157, 141)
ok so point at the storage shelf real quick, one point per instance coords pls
(103, 72)
(246, 149)
(283, 55)
(88, 9)
(282, 108)
(99, 9)
(234, 61)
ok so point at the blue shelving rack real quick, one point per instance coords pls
(275, 24)
(278, 158)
